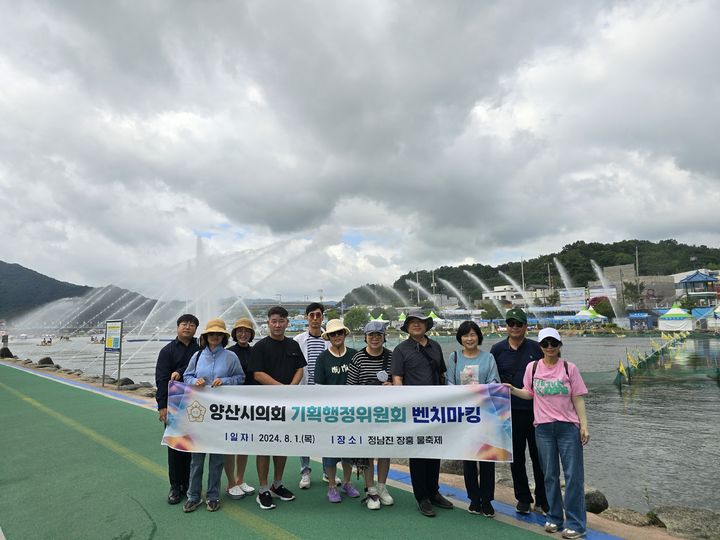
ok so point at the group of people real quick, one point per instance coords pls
(548, 410)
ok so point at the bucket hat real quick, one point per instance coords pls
(334, 325)
(417, 314)
(243, 322)
(215, 325)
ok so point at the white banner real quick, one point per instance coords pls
(452, 422)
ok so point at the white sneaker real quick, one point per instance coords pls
(385, 498)
(236, 492)
(338, 481)
(305, 480)
(551, 527)
(372, 499)
(246, 488)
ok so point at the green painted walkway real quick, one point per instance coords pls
(74, 464)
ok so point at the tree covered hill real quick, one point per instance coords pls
(22, 289)
(654, 258)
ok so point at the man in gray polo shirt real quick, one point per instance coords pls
(418, 361)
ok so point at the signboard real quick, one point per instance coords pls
(610, 292)
(113, 336)
(470, 422)
(573, 297)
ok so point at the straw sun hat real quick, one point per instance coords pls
(215, 325)
(243, 322)
(333, 326)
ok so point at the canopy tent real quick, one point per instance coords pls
(713, 320)
(675, 319)
(589, 313)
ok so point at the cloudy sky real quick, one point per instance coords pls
(324, 145)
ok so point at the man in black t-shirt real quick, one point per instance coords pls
(275, 359)
(418, 361)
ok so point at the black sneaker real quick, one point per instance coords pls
(282, 493)
(174, 497)
(542, 508)
(441, 502)
(487, 509)
(474, 508)
(191, 506)
(264, 499)
(425, 507)
(523, 507)
(213, 506)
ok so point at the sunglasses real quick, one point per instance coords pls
(337, 333)
(549, 342)
(315, 315)
(515, 324)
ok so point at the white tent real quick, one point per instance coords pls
(675, 319)
(713, 320)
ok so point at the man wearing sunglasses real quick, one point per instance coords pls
(311, 344)
(512, 355)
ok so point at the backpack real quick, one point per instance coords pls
(535, 368)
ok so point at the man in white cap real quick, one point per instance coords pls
(418, 361)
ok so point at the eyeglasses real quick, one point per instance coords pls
(515, 324)
(337, 333)
(550, 342)
(243, 330)
(314, 315)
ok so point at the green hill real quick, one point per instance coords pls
(22, 289)
(655, 258)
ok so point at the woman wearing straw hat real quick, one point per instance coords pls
(215, 366)
(331, 367)
(561, 431)
(243, 332)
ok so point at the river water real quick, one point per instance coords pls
(655, 443)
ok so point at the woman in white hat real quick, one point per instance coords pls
(243, 332)
(215, 366)
(561, 431)
(331, 367)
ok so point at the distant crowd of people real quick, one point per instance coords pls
(547, 406)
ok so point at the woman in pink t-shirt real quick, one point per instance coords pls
(561, 430)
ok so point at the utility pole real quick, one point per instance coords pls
(522, 275)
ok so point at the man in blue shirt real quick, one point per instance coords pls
(172, 361)
(512, 355)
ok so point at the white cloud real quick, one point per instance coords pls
(330, 145)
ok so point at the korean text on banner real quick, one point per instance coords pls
(453, 422)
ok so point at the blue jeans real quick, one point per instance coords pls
(560, 441)
(305, 464)
(214, 474)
